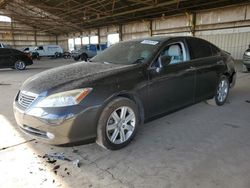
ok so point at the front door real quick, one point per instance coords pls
(171, 86)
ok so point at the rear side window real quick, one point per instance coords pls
(199, 48)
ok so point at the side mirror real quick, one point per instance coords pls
(165, 60)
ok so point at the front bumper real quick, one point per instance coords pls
(59, 128)
(246, 60)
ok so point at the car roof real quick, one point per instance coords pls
(161, 38)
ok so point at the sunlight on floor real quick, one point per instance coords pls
(8, 134)
(20, 165)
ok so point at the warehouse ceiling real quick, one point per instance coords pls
(67, 16)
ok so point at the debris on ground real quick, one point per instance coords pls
(51, 161)
(76, 163)
(58, 156)
(53, 158)
(43, 181)
(75, 150)
(56, 167)
(248, 101)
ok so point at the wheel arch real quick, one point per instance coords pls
(84, 53)
(230, 77)
(131, 96)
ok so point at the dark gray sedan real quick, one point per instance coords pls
(15, 59)
(128, 84)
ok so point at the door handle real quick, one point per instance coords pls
(191, 68)
(220, 62)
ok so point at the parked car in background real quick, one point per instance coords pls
(11, 58)
(2, 45)
(246, 58)
(67, 55)
(129, 83)
(88, 51)
(31, 51)
(49, 51)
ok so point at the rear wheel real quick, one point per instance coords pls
(20, 65)
(222, 92)
(56, 55)
(117, 124)
(84, 57)
(76, 58)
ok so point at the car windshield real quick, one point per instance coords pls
(128, 52)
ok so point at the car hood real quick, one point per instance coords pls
(70, 76)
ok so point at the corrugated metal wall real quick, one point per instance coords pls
(236, 38)
(227, 27)
(19, 35)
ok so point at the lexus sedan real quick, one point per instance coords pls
(107, 98)
(11, 58)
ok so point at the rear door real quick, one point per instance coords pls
(171, 87)
(207, 62)
(6, 59)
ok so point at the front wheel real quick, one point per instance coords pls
(117, 124)
(222, 92)
(20, 65)
(84, 57)
(76, 58)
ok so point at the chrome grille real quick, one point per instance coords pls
(25, 99)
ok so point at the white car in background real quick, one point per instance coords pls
(29, 49)
(49, 50)
(2, 45)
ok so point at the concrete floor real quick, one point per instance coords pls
(200, 146)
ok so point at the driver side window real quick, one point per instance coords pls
(175, 52)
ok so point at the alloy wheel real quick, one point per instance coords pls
(120, 125)
(20, 65)
(222, 90)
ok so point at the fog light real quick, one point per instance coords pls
(50, 135)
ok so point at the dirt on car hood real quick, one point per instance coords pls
(70, 76)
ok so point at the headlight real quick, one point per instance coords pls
(247, 53)
(67, 98)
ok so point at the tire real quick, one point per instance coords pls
(20, 65)
(248, 69)
(38, 56)
(113, 132)
(56, 55)
(221, 93)
(76, 58)
(84, 57)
